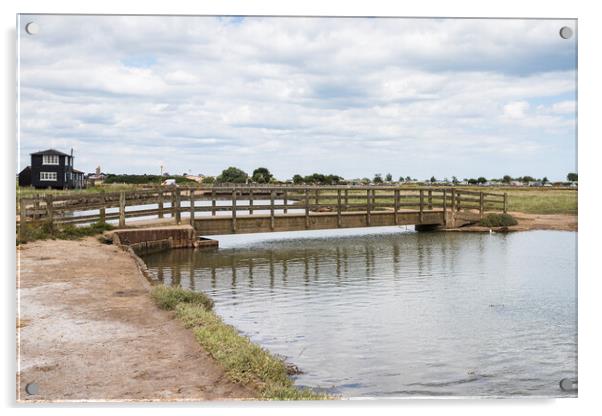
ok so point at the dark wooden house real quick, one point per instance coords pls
(51, 169)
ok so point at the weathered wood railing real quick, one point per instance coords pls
(232, 201)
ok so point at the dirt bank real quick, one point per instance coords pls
(89, 331)
(528, 222)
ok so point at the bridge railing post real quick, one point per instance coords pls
(339, 222)
(192, 207)
(160, 196)
(250, 201)
(505, 202)
(368, 206)
(178, 209)
(444, 206)
(234, 210)
(306, 191)
(396, 205)
(346, 199)
(421, 206)
(481, 204)
(285, 196)
(213, 202)
(272, 210)
(430, 200)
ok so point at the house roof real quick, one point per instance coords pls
(50, 152)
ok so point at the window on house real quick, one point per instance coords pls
(48, 176)
(50, 159)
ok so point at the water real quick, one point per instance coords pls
(387, 312)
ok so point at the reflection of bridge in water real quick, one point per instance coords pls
(303, 262)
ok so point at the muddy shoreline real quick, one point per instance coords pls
(528, 222)
(89, 331)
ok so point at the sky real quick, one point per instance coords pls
(347, 96)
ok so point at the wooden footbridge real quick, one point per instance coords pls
(252, 209)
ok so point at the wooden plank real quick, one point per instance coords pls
(50, 208)
(430, 199)
(505, 202)
(481, 205)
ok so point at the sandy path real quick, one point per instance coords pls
(89, 331)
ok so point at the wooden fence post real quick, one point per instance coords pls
(122, 209)
(430, 199)
(160, 195)
(339, 219)
(192, 207)
(285, 201)
(505, 202)
(421, 206)
(459, 201)
(272, 210)
(368, 206)
(396, 205)
(22, 211)
(481, 204)
(234, 211)
(306, 208)
(49, 208)
(36, 206)
(103, 211)
(178, 210)
(445, 207)
(251, 201)
(213, 202)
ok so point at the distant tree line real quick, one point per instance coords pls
(144, 179)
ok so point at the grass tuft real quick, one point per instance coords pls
(498, 220)
(244, 362)
(168, 297)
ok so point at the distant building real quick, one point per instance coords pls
(51, 169)
(96, 178)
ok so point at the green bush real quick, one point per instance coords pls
(498, 220)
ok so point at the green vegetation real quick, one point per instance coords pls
(542, 201)
(31, 231)
(243, 361)
(232, 175)
(572, 177)
(262, 175)
(169, 297)
(317, 179)
(498, 220)
(29, 192)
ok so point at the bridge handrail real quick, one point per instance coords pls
(311, 200)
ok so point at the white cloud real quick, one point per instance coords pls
(348, 96)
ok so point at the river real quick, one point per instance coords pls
(389, 312)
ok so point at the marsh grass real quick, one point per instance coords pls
(243, 361)
(46, 230)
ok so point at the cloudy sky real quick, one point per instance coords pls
(351, 96)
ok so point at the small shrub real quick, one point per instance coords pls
(31, 231)
(498, 220)
(168, 297)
